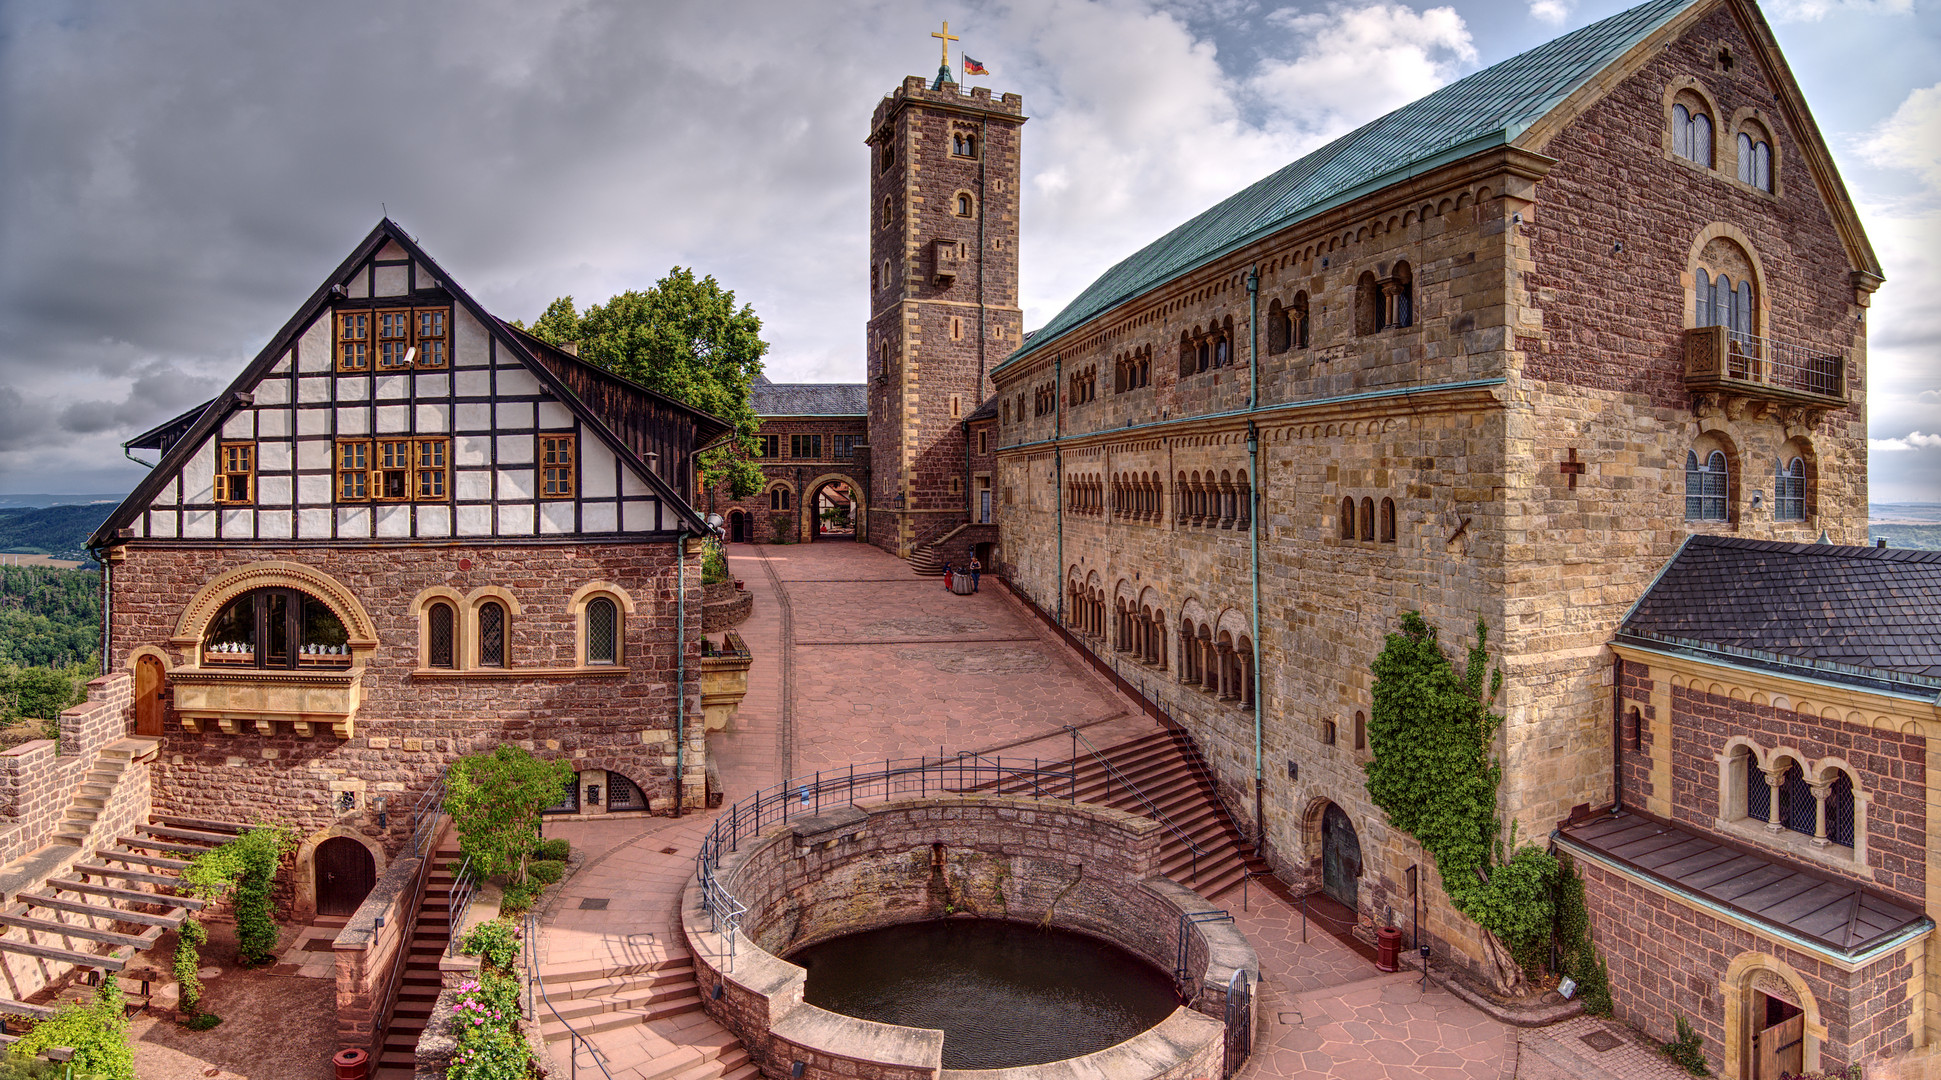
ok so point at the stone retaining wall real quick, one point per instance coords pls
(723, 606)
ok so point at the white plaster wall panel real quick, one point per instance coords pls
(514, 415)
(599, 517)
(273, 524)
(474, 417)
(274, 390)
(161, 524)
(434, 385)
(638, 515)
(516, 382)
(515, 484)
(353, 521)
(392, 281)
(272, 455)
(273, 424)
(282, 365)
(198, 524)
(314, 454)
(469, 348)
(315, 390)
(434, 521)
(632, 486)
(425, 279)
(273, 490)
(313, 347)
(556, 517)
(474, 383)
(554, 416)
(171, 493)
(313, 524)
(472, 450)
(392, 521)
(392, 387)
(471, 484)
(434, 418)
(359, 286)
(474, 521)
(354, 388)
(240, 425)
(391, 251)
(515, 519)
(596, 469)
(356, 421)
(199, 475)
(238, 524)
(313, 490)
(393, 419)
(515, 449)
(313, 421)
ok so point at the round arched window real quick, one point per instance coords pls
(276, 628)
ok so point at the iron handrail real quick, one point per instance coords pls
(465, 887)
(536, 993)
(1112, 773)
(425, 814)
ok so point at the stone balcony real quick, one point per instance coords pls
(724, 680)
(235, 701)
(1765, 371)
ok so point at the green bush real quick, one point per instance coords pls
(518, 899)
(248, 865)
(189, 940)
(1685, 1050)
(202, 1021)
(495, 942)
(714, 566)
(555, 850)
(1579, 958)
(97, 1030)
(495, 799)
(545, 871)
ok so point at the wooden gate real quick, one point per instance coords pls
(1780, 1049)
(345, 874)
(1340, 857)
(148, 696)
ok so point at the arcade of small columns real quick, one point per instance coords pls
(1219, 664)
(1223, 500)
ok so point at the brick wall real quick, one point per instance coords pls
(1635, 689)
(799, 474)
(38, 779)
(370, 956)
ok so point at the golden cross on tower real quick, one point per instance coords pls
(946, 38)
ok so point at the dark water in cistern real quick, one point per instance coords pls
(1004, 993)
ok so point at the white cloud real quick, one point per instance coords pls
(1913, 440)
(1791, 11)
(1353, 64)
(1911, 138)
(1553, 12)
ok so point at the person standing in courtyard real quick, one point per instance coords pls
(977, 572)
(947, 574)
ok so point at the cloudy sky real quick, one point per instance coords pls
(176, 177)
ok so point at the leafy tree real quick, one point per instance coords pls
(39, 693)
(97, 1030)
(686, 339)
(495, 799)
(49, 617)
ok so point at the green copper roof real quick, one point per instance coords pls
(1487, 109)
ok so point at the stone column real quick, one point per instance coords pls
(1820, 791)
(1774, 778)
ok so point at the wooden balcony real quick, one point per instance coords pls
(1764, 369)
(234, 701)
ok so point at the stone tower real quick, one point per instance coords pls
(943, 212)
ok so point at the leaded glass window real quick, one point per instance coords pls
(1789, 491)
(492, 634)
(444, 637)
(1705, 487)
(1759, 793)
(1839, 811)
(1798, 810)
(602, 632)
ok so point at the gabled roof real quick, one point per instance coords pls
(707, 426)
(227, 402)
(808, 399)
(1846, 613)
(165, 434)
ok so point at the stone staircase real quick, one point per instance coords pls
(928, 559)
(673, 1039)
(419, 985)
(91, 798)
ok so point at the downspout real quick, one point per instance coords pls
(1058, 473)
(680, 669)
(1253, 550)
(107, 605)
(1617, 734)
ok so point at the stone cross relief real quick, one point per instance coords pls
(1572, 468)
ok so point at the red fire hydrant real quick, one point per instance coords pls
(352, 1064)
(1388, 942)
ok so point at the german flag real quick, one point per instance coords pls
(972, 67)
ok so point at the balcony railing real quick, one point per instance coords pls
(1718, 359)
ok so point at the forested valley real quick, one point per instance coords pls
(50, 645)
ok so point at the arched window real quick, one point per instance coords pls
(1244, 496)
(889, 156)
(602, 631)
(1204, 360)
(1691, 133)
(1368, 304)
(1789, 491)
(492, 634)
(1347, 522)
(1398, 298)
(779, 499)
(1298, 321)
(1277, 328)
(442, 650)
(1839, 810)
(965, 206)
(1366, 519)
(1755, 160)
(1186, 353)
(963, 144)
(1706, 488)
(886, 213)
(1388, 521)
(276, 628)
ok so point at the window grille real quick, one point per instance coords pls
(602, 632)
(1789, 492)
(492, 635)
(624, 794)
(1759, 794)
(1798, 810)
(569, 798)
(1839, 811)
(443, 637)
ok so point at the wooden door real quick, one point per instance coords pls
(737, 527)
(1340, 857)
(345, 874)
(148, 696)
(1780, 1049)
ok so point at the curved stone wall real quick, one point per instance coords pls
(1080, 867)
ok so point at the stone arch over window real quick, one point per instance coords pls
(1386, 524)
(1398, 297)
(1711, 479)
(1297, 321)
(1243, 500)
(1722, 249)
(1278, 333)
(209, 601)
(1779, 793)
(1754, 151)
(441, 638)
(966, 205)
(781, 496)
(1749, 975)
(1692, 123)
(600, 611)
(1368, 304)
(1795, 482)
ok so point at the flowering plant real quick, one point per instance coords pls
(486, 1016)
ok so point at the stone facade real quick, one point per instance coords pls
(762, 519)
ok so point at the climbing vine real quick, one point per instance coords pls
(1435, 774)
(247, 866)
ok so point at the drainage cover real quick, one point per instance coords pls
(1601, 1040)
(594, 903)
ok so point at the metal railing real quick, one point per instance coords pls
(1715, 354)
(536, 995)
(425, 814)
(1153, 811)
(806, 796)
(465, 887)
(1182, 977)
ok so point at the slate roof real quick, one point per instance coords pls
(1488, 109)
(808, 399)
(1838, 916)
(986, 411)
(163, 435)
(1876, 611)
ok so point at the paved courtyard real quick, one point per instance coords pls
(857, 660)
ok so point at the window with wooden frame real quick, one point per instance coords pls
(771, 445)
(805, 446)
(432, 469)
(236, 475)
(393, 470)
(353, 470)
(556, 466)
(396, 339)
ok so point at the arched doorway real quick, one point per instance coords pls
(835, 510)
(148, 696)
(737, 527)
(985, 554)
(1340, 857)
(345, 874)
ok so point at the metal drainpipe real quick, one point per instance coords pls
(107, 606)
(1253, 550)
(1058, 473)
(680, 669)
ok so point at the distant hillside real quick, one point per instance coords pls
(1907, 536)
(60, 531)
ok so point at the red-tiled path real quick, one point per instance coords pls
(857, 660)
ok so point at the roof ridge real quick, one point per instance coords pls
(1811, 547)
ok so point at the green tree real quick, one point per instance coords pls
(686, 339)
(495, 799)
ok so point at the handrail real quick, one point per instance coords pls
(1198, 764)
(465, 887)
(425, 814)
(1112, 773)
(536, 993)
